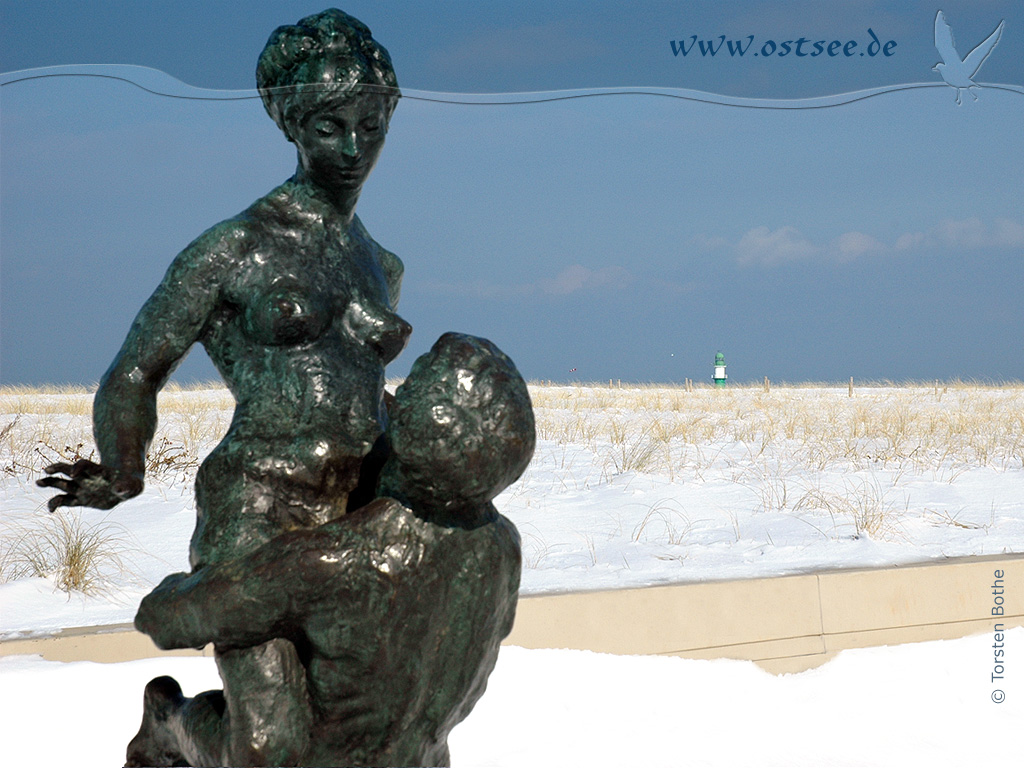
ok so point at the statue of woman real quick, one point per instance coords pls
(295, 304)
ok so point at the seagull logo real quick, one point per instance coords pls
(957, 72)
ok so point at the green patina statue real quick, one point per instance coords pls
(355, 583)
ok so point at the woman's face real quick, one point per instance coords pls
(339, 143)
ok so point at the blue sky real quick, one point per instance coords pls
(625, 236)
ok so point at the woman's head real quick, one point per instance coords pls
(326, 57)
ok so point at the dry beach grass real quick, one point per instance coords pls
(838, 462)
(75, 555)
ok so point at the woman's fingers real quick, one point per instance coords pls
(60, 501)
(60, 467)
(60, 483)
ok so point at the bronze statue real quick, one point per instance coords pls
(295, 304)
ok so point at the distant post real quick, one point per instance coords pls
(720, 376)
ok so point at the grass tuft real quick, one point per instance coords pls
(78, 557)
(664, 523)
(862, 503)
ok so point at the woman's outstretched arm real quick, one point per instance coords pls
(124, 409)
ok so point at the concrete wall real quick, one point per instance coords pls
(785, 624)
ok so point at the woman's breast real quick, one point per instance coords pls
(378, 327)
(296, 316)
(287, 316)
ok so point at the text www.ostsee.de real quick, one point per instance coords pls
(799, 48)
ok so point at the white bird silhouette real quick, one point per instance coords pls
(955, 71)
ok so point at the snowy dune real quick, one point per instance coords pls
(628, 487)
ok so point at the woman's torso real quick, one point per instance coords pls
(302, 330)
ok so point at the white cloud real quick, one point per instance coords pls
(766, 248)
(579, 278)
(962, 233)
(852, 245)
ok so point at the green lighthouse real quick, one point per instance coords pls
(719, 377)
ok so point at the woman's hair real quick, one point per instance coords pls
(322, 56)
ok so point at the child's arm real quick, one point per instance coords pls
(270, 592)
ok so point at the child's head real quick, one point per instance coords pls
(461, 429)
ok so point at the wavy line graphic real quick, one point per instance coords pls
(160, 83)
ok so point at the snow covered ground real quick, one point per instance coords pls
(926, 704)
(628, 486)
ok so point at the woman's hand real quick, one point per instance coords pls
(89, 484)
